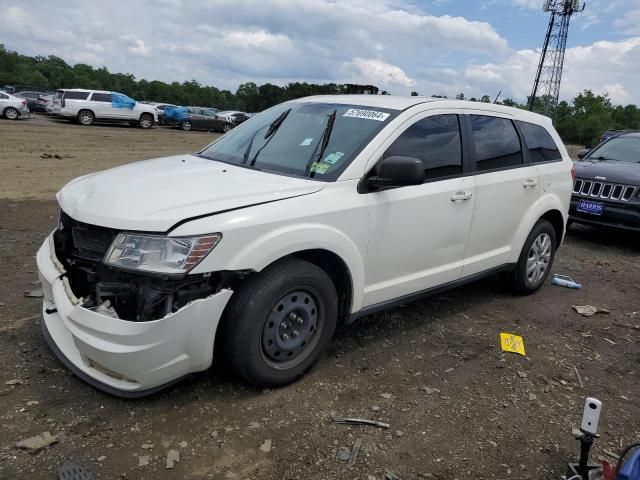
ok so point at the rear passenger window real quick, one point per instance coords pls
(496, 143)
(3, 96)
(541, 146)
(76, 95)
(101, 97)
(436, 142)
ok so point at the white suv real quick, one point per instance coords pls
(87, 106)
(312, 213)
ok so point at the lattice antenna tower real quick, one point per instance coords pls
(546, 85)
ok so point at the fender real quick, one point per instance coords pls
(286, 240)
(546, 202)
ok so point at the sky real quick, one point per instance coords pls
(434, 47)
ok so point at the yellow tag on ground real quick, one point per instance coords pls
(512, 343)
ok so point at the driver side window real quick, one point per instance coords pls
(434, 140)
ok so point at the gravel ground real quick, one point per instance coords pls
(457, 406)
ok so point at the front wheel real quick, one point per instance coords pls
(279, 322)
(227, 128)
(146, 120)
(11, 113)
(186, 126)
(536, 259)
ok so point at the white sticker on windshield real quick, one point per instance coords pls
(306, 142)
(368, 114)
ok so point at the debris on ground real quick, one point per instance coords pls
(389, 475)
(74, 471)
(147, 446)
(344, 453)
(35, 293)
(578, 376)
(430, 391)
(143, 460)
(173, 457)
(360, 421)
(266, 446)
(15, 381)
(589, 310)
(35, 444)
(565, 281)
(512, 343)
(386, 396)
(609, 341)
(354, 452)
(182, 444)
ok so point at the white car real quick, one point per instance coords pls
(88, 106)
(12, 107)
(315, 212)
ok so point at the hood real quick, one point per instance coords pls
(613, 171)
(154, 195)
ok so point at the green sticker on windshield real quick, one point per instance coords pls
(320, 167)
(333, 158)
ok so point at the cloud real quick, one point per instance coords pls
(396, 44)
(378, 72)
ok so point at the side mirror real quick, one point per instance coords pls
(399, 171)
(583, 153)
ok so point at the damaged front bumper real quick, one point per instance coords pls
(121, 357)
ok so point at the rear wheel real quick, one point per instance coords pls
(536, 259)
(11, 113)
(227, 128)
(186, 126)
(146, 120)
(279, 322)
(86, 117)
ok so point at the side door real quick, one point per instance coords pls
(100, 103)
(418, 233)
(198, 120)
(506, 188)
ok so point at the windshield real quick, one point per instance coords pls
(625, 148)
(314, 140)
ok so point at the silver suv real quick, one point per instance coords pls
(89, 106)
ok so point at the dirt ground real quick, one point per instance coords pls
(458, 407)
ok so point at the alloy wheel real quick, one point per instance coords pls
(11, 113)
(538, 258)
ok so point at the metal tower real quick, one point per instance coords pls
(546, 85)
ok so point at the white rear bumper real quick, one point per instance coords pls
(125, 358)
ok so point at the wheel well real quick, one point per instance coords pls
(339, 273)
(86, 110)
(555, 218)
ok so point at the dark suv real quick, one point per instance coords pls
(606, 191)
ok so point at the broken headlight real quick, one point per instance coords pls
(159, 254)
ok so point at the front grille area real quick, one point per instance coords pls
(603, 190)
(134, 296)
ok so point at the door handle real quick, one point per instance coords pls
(530, 183)
(461, 196)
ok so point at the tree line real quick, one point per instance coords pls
(580, 121)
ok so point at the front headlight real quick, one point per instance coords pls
(154, 253)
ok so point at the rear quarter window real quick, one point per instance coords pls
(541, 146)
(76, 95)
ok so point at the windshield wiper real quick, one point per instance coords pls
(326, 134)
(273, 128)
(601, 158)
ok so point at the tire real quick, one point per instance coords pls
(227, 128)
(86, 117)
(186, 126)
(11, 113)
(278, 323)
(538, 253)
(146, 121)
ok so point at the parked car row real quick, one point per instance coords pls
(88, 106)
